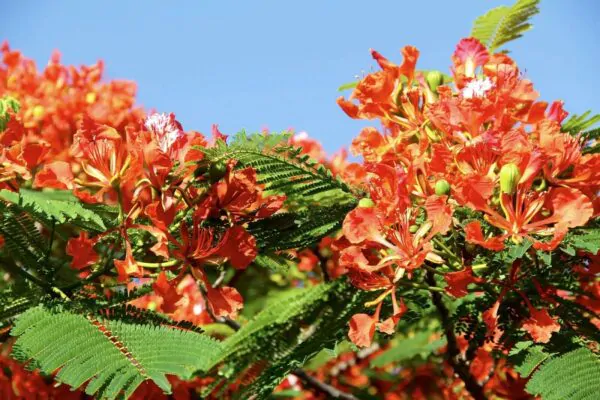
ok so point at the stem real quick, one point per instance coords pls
(26, 275)
(436, 289)
(328, 390)
(453, 353)
(219, 281)
(322, 265)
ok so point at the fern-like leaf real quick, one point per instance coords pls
(579, 123)
(574, 375)
(298, 229)
(23, 241)
(504, 24)
(288, 332)
(112, 356)
(407, 348)
(55, 206)
(280, 167)
(16, 299)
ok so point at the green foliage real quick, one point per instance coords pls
(407, 348)
(582, 239)
(23, 241)
(16, 299)
(56, 206)
(289, 331)
(280, 167)
(289, 230)
(7, 104)
(527, 358)
(574, 375)
(114, 357)
(579, 123)
(504, 24)
(274, 262)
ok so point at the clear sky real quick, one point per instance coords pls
(277, 64)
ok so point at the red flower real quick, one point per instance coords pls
(239, 247)
(82, 251)
(362, 329)
(459, 280)
(523, 217)
(540, 325)
(469, 55)
(57, 175)
(224, 301)
(168, 291)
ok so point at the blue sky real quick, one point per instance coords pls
(277, 64)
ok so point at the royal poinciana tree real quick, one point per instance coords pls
(458, 259)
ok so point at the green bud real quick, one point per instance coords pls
(509, 178)
(217, 171)
(413, 228)
(540, 184)
(366, 203)
(434, 79)
(442, 187)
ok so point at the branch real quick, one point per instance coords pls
(453, 354)
(322, 387)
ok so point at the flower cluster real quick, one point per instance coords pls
(74, 132)
(484, 146)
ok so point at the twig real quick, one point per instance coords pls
(322, 387)
(219, 281)
(453, 354)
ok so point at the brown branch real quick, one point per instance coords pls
(330, 391)
(453, 353)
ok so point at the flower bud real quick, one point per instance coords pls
(442, 187)
(217, 171)
(434, 79)
(509, 178)
(366, 203)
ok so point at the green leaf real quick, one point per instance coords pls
(290, 330)
(579, 123)
(348, 86)
(16, 299)
(280, 167)
(113, 357)
(504, 24)
(574, 376)
(274, 262)
(56, 206)
(289, 230)
(582, 239)
(527, 357)
(409, 347)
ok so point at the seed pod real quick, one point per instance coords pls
(442, 187)
(366, 203)
(434, 79)
(509, 178)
